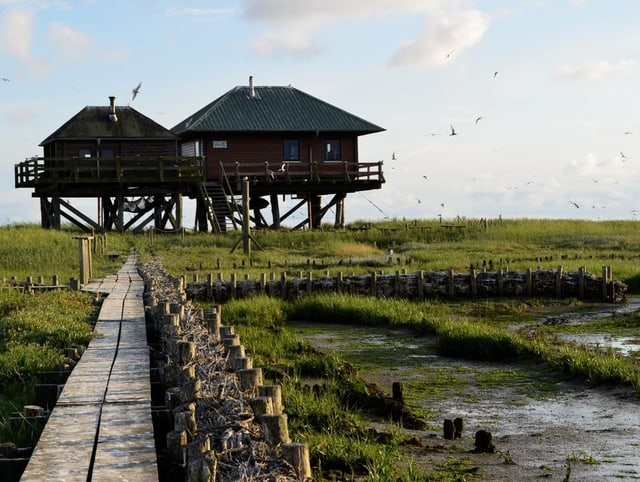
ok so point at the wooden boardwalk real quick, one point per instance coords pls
(101, 427)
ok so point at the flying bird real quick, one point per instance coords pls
(5, 79)
(453, 131)
(136, 91)
(450, 52)
(494, 74)
(393, 156)
(623, 156)
(575, 204)
(627, 133)
(478, 119)
(426, 178)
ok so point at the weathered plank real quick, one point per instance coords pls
(101, 428)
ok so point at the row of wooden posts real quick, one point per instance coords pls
(556, 283)
(265, 400)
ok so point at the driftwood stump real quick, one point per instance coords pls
(484, 442)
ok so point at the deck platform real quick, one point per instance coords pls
(101, 427)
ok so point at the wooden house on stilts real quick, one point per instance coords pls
(279, 141)
(286, 143)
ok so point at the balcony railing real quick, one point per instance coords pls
(148, 169)
(303, 171)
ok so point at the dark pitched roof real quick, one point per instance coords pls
(272, 109)
(93, 122)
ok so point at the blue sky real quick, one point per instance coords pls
(560, 118)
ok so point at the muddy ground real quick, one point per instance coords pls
(544, 427)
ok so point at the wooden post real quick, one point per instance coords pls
(473, 282)
(297, 455)
(209, 295)
(452, 288)
(84, 255)
(397, 288)
(246, 220)
(529, 279)
(559, 282)
(283, 286)
(275, 393)
(605, 282)
(213, 316)
(500, 282)
(484, 442)
(339, 282)
(374, 283)
(250, 379)
(421, 293)
(261, 406)
(448, 429)
(275, 428)
(581, 270)
(233, 285)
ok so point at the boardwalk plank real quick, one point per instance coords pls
(104, 411)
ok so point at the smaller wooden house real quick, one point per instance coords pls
(287, 143)
(117, 155)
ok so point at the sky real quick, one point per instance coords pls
(542, 94)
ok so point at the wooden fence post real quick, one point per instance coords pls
(421, 293)
(529, 279)
(559, 282)
(452, 289)
(374, 283)
(472, 280)
(581, 282)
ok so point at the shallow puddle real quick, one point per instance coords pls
(539, 419)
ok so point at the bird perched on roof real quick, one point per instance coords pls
(136, 91)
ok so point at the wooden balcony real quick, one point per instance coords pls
(38, 172)
(318, 177)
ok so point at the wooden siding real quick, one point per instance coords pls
(257, 149)
(126, 148)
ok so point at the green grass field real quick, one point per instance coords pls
(36, 328)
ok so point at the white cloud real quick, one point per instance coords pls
(68, 42)
(445, 34)
(449, 26)
(295, 41)
(16, 33)
(599, 70)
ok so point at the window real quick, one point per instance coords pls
(84, 152)
(291, 150)
(332, 150)
(107, 153)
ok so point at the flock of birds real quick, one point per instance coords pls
(454, 132)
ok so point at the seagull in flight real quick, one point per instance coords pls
(494, 74)
(478, 119)
(453, 131)
(450, 52)
(393, 156)
(622, 155)
(575, 204)
(4, 79)
(136, 91)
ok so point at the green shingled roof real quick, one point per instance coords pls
(93, 122)
(272, 109)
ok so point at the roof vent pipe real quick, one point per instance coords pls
(252, 89)
(112, 116)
